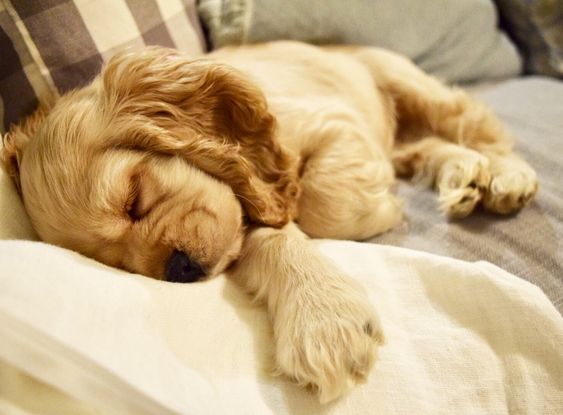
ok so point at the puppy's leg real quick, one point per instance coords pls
(346, 186)
(325, 328)
(427, 107)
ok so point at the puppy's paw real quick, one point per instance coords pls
(461, 183)
(327, 339)
(514, 183)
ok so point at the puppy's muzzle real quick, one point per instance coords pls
(181, 268)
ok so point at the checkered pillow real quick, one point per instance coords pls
(51, 46)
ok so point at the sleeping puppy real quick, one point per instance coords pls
(179, 169)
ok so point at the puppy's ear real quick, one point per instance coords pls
(213, 116)
(15, 142)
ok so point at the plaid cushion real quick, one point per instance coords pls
(537, 28)
(51, 46)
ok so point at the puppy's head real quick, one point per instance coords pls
(154, 167)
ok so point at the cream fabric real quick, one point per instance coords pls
(462, 338)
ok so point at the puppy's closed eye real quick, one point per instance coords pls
(133, 202)
(142, 196)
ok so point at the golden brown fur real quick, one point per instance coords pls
(221, 157)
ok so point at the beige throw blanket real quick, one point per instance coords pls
(462, 338)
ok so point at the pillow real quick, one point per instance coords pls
(455, 40)
(537, 28)
(52, 46)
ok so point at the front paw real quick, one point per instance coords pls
(327, 339)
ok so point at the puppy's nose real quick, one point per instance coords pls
(181, 268)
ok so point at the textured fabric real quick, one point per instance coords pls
(537, 28)
(529, 244)
(455, 40)
(461, 338)
(52, 46)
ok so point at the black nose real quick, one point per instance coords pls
(181, 269)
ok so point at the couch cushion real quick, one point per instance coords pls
(51, 46)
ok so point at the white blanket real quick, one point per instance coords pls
(461, 338)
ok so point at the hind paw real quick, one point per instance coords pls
(514, 183)
(461, 184)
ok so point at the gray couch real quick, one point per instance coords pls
(529, 244)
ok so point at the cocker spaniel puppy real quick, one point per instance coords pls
(179, 169)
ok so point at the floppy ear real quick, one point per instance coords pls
(211, 115)
(15, 141)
